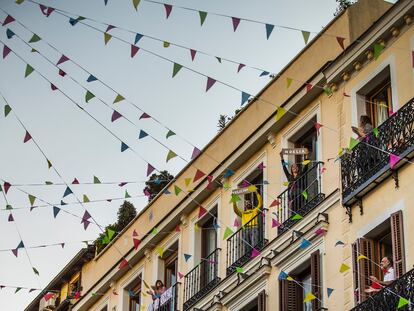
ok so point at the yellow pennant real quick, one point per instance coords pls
(309, 297)
(252, 188)
(280, 113)
(196, 228)
(286, 183)
(187, 181)
(306, 162)
(361, 257)
(289, 278)
(160, 250)
(289, 82)
(343, 268)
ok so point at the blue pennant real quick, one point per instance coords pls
(67, 192)
(166, 191)
(228, 173)
(187, 257)
(138, 37)
(282, 275)
(56, 211)
(329, 291)
(62, 203)
(73, 21)
(142, 134)
(124, 146)
(245, 97)
(106, 2)
(269, 29)
(91, 78)
(264, 73)
(305, 243)
(9, 33)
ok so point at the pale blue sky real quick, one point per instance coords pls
(80, 148)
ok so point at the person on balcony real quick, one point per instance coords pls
(250, 221)
(296, 185)
(157, 290)
(389, 276)
(365, 127)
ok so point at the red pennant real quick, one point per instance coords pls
(49, 11)
(15, 252)
(9, 19)
(168, 9)
(62, 59)
(136, 243)
(209, 179)
(62, 73)
(210, 83)
(308, 87)
(275, 203)
(134, 233)
(6, 51)
(178, 229)
(53, 87)
(75, 182)
(193, 54)
(48, 296)
(115, 116)
(317, 127)
(134, 50)
(346, 95)
(27, 137)
(46, 11)
(236, 22)
(198, 175)
(6, 186)
(144, 116)
(376, 285)
(77, 295)
(201, 212)
(123, 264)
(11, 217)
(240, 67)
(341, 42)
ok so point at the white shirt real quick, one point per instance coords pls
(389, 275)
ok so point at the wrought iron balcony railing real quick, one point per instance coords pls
(368, 162)
(168, 300)
(201, 280)
(387, 298)
(240, 244)
(301, 197)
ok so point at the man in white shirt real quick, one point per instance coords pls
(389, 276)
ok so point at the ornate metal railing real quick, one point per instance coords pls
(201, 280)
(369, 158)
(240, 244)
(168, 300)
(301, 197)
(387, 298)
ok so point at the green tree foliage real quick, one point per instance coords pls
(343, 5)
(224, 119)
(156, 184)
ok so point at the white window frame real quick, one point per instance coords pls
(131, 278)
(157, 260)
(103, 304)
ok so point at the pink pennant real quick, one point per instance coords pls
(308, 87)
(341, 42)
(150, 169)
(320, 231)
(134, 233)
(75, 182)
(393, 160)
(317, 127)
(236, 22)
(6, 186)
(255, 253)
(201, 212)
(193, 54)
(15, 252)
(275, 223)
(134, 50)
(11, 218)
(48, 296)
(245, 183)
(147, 193)
(43, 8)
(122, 184)
(210, 83)
(177, 228)
(391, 112)
(275, 203)
(240, 67)
(6, 51)
(109, 28)
(115, 116)
(49, 11)
(27, 137)
(136, 243)
(144, 116)
(180, 275)
(77, 295)
(62, 73)
(9, 19)
(53, 87)
(209, 181)
(196, 153)
(62, 59)
(168, 9)
(261, 166)
(323, 170)
(236, 222)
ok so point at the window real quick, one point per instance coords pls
(135, 296)
(259, 304)
(255, 178)
(308, 279)
(386, 240)
(306, 137)
(208, 233)
(171, 265)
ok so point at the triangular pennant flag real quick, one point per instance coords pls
(255, 253)
(124, 146)
(134, 50)
(110, 27)
(6, 51)
(107, 37)
(27, 137)
(187, 182)
(142, 134)
(201, 212)
(160, 250)
(193, 54)
(19, 1)
(177, 228)
(280, 113)
(210, 83)
(126, 196)
(11, 218)
(136, 243)
(289, 82)
(96, 180)
(144, 116)
(118, 98)
(309, 297)
(169, 134)
(135, 3)
(29, 70)
(123, 264)
(166, 44)
(275, 202)
(85, 199)
(297, 217)
(171, 154)
(353, 143)
(305, 243)
(62, 59)
(236, 22)
(88, 96)
(317, 127)
(48, 296)
(176, 69)
(67, 192)
(360, 257)
(150, 169)
(378, 48)
(198, 175)
(138, 37)
(75, 181)
(6, 186)
(115, 116)
(154, 231)
(53, 87)
(187, 257)
(275, 223)
(56, 211)
(236, 222)
(203, 16)
(218, 59)
(9, 33)
(393, 160)
(15, 252)
(239, 270)
(168, 9)
(7, 110)
(244, 98)
(32, 199)
(402, 302)
(375, 131)
(228, 232)
(180, 275)
(234, 198)
(264, 73)
(21, 245)
(240, 67)
(33, 50)
(282, 275)
(228, 173)
(196, 153)
(308, 87)
(177, 190)
(305, 35)
(305, 194)
(9, 19)
(343, 268)
(329, 291)
(320, 231)
(62, 74)
(17, 289)
(269, 29)
(91, 78)
(341, 42)
(35, 271)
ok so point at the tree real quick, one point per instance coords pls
(224, 119)
(156, 183)
(343, 5)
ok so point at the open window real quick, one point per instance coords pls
(170, 260)
(305, 137)
(385, 240)
(307, 278)
(134, 294)
(255, 178)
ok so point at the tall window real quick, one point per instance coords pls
(135, 297)
(255, 178)
(379, 102)
(208, 234)
(171, 265)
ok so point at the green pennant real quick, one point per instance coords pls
(85, 199)
(127, 194)
(226, 186)
(203, 16)
(234, 198)
(8, 206)
(297, 217)
(35, 38)
(19, 1)
(107, 37)
(89, 95)
(305, 194)
(305, 35)
(105, 240)
(218, 59)
(32, 199)
(177, 190)
(176, 69)
(353, 143)
(289, 82)
(35, 271)
(171, 154)
(17, 289)
(375, 131)
(154, 231)
(327, 91)
(135, 3)
(118, 98)
(402, 302)
(239, 270)
(96, 180)
(378, 48)
(33, 50)
(169, 134)
(166, 44)
(49, 164)
(48, 183)
(7, 110)
(228, 232)
(29, 70)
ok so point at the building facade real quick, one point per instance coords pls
(317, 237)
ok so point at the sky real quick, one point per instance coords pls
(79, 147)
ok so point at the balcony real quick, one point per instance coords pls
(201, 280)
(167, 302)
(387, 298)
(292, 201)
(366, 166)
(240, 245)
